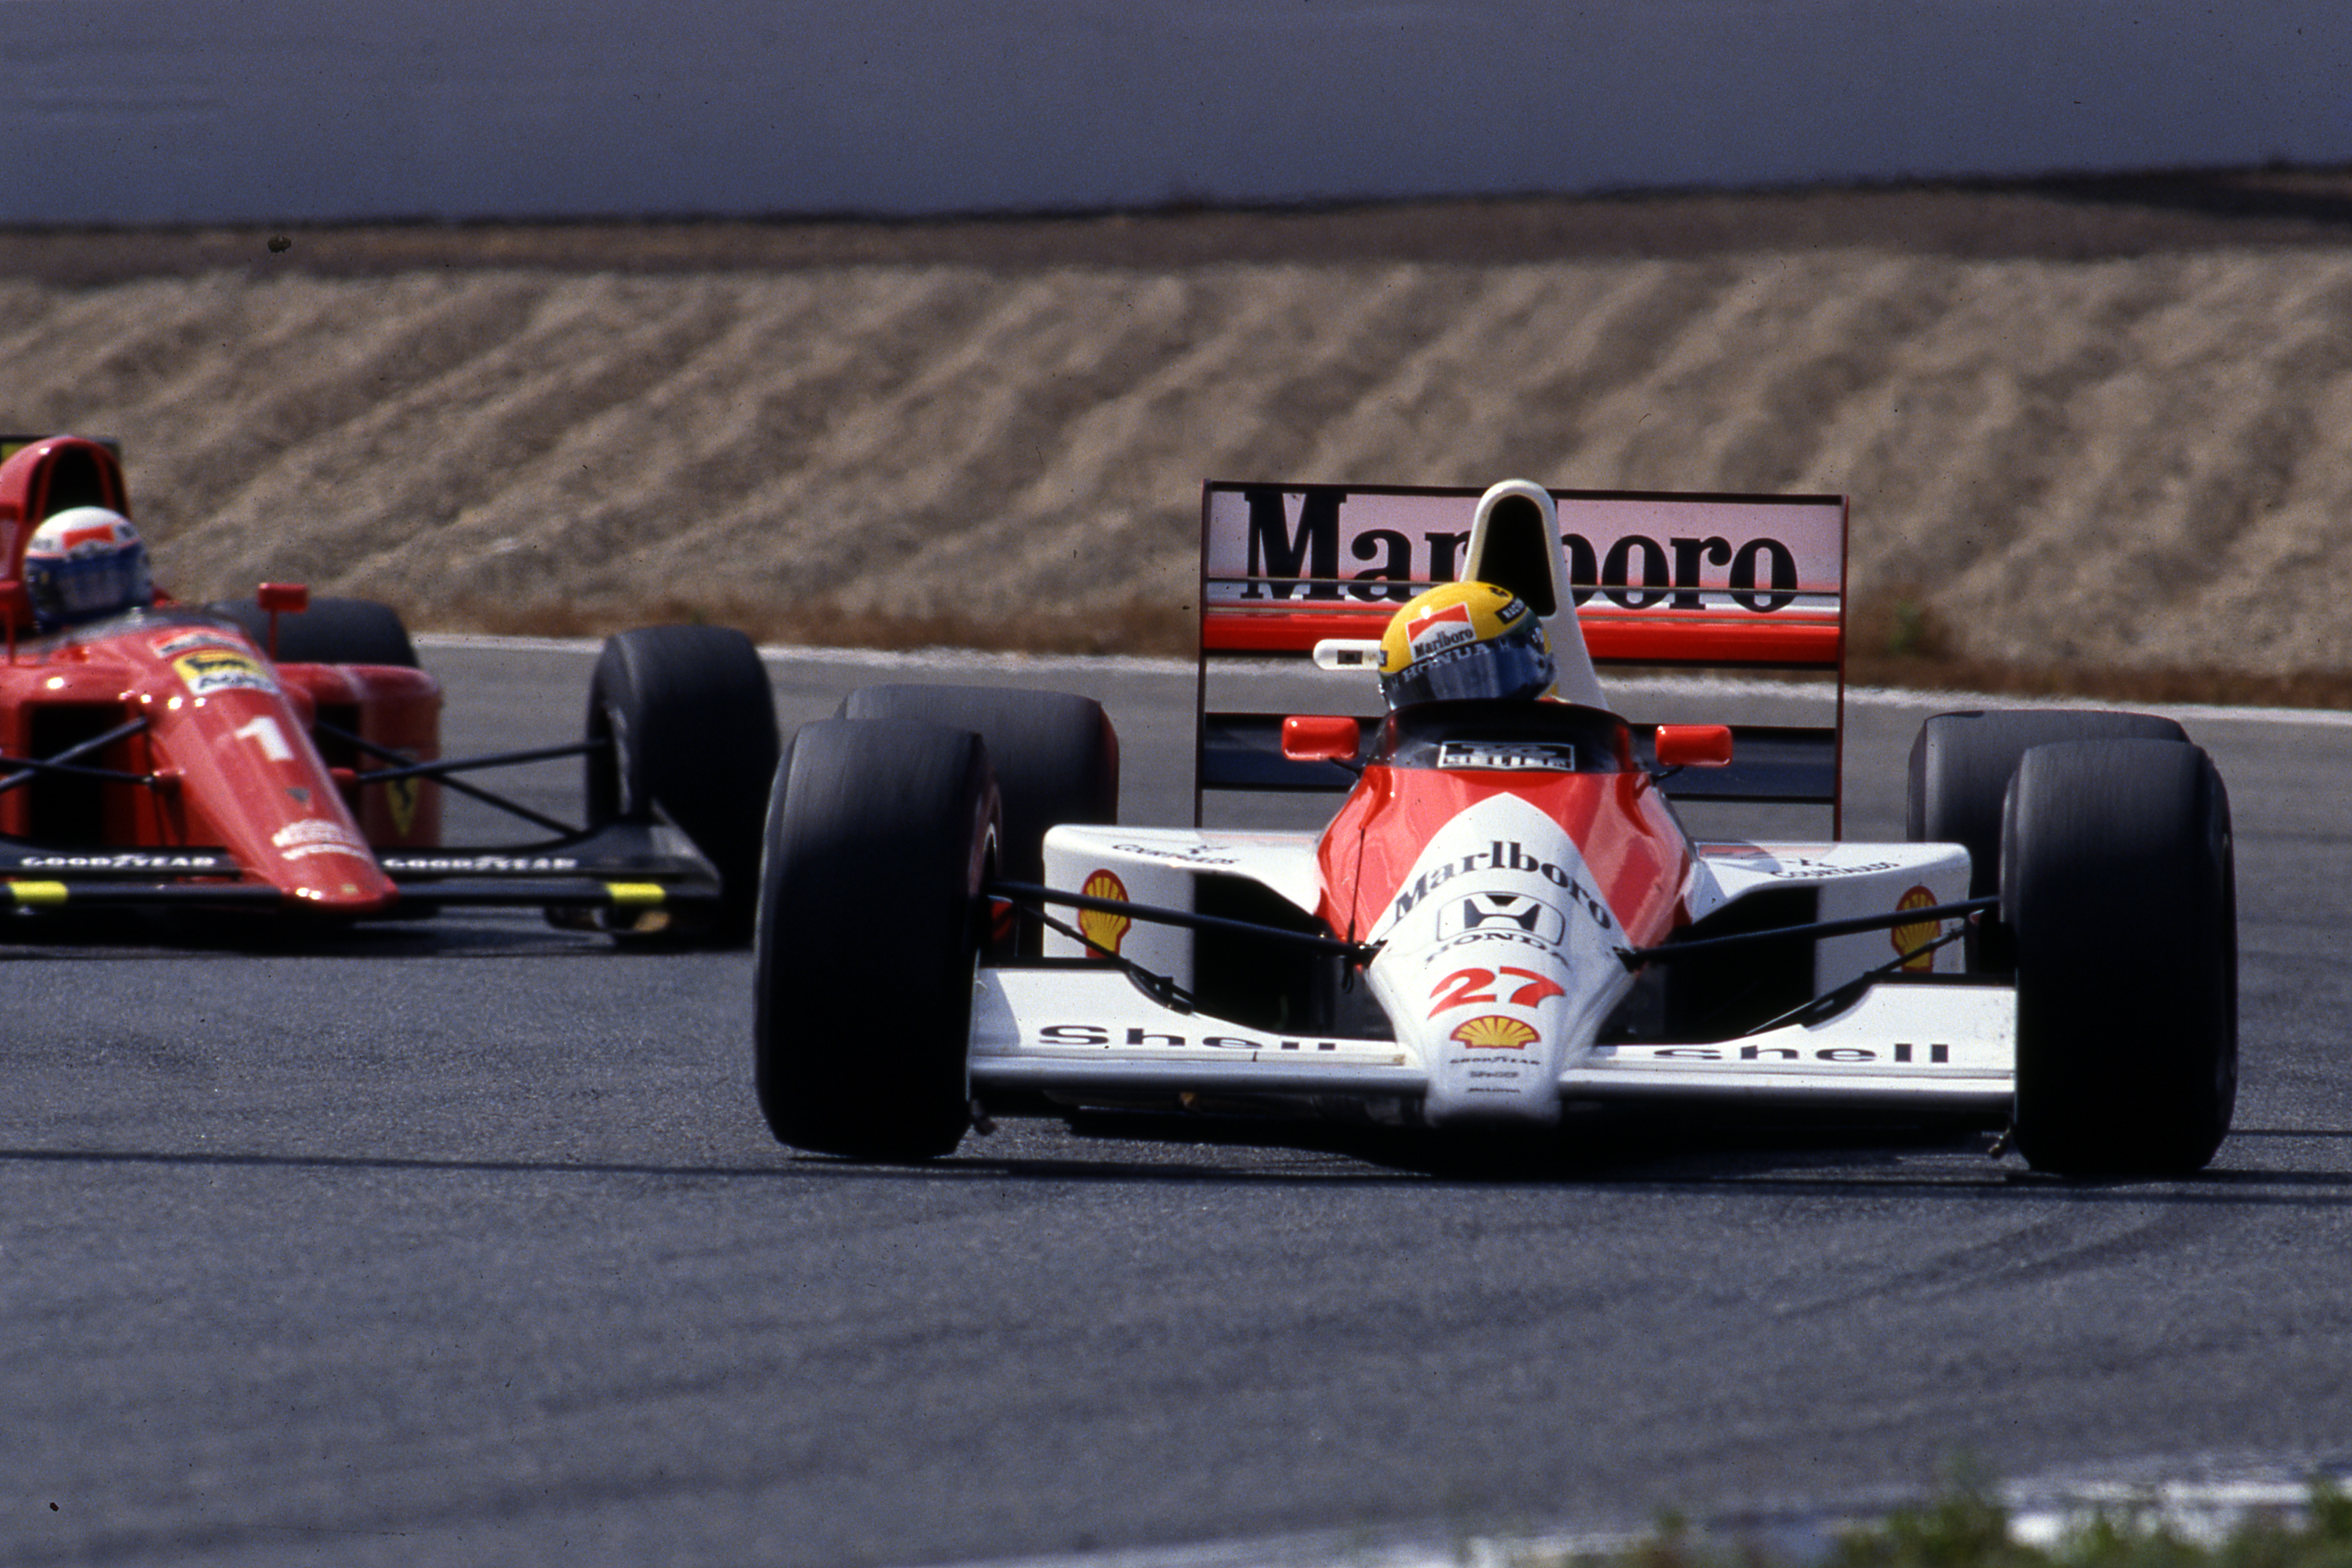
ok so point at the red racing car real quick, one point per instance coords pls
(282, 755)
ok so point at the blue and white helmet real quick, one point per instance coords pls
(83, 564)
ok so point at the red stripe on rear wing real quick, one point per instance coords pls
(1814, 642)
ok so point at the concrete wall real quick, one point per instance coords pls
(135, 110)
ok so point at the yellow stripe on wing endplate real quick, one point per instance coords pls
(635, 895)
(39, 894)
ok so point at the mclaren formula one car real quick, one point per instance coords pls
(1504, 915)
(282, 755)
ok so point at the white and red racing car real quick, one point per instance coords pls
(1505, 915)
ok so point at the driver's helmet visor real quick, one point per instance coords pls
(85, 587)
(1514, 665)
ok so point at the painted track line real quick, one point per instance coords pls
(950, 659)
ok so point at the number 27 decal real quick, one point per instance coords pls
(1464, 987)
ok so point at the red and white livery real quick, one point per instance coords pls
(1505, 914)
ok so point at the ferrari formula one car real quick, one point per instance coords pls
(282, 755)
(1505, 915)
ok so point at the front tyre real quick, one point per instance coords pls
(689, 723)
(881, 835)
(1960, 767)
(2119, 879)
(1056, 755)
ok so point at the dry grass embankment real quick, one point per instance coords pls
(2092, 433)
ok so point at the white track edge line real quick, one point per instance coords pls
(2041, 1514)
(1131, 664)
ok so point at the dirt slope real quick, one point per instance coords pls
(2128, 460)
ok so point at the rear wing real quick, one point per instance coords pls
(1660, 582)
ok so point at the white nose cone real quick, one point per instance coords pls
(1515, 545)
(1498, 965)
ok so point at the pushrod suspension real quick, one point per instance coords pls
(1031, 892)
(407, 769)
(31, 767)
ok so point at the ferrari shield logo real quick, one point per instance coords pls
(400, 796)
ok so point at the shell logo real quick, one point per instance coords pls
(1103, 930)
(1919, 932)
(1496, 1033)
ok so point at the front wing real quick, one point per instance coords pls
(627, 866)
(1086, 1033)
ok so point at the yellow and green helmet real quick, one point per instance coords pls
(1462, 641)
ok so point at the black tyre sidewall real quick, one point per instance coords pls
(879, 836)
(333, 630)
(1960, 766)
(1056, 755)
(692, 721)
(2118, 881)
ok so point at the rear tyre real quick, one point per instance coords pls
(2120, 884)
(880, 837)
(332, 631)
(1056, 755)
(692, 725)
(1960, 767)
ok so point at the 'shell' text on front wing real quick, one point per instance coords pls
(1077, 1031)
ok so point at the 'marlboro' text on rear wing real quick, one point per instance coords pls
(1660, 580)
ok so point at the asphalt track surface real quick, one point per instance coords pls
(464, 1244)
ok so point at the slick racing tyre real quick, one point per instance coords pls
(881, 835)
(1960, 767)
(1056, 755)
(2118, 883)
(332, 631)
(691, 723)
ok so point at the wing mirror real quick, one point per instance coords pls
(282, 599)
(1348, 653)
(1694, 746)
(1320, 737)
(16, 609)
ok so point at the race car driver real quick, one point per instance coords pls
(84, 565)
(1460, 641)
